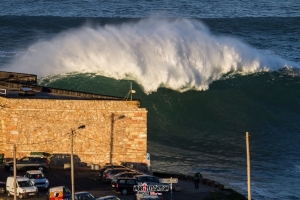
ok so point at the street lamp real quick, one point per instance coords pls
(72, 160)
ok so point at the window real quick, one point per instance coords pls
(24, 160)
(42, 160)
(143, 179)
(24, 184)
(34, 160)
(131, 182)
(67, 191)
(152, 179)
(122, 181)
(37, 176)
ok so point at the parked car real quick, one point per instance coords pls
(109, 173)
(39, 154)
(2, 187)
(59, 192)
(129, 174)
(150, 180)
(38, 179)
(151, 197)
(125, 185)
(84, 196)
(29, 163)
(24, 187)
(106, 166)
(109, 197)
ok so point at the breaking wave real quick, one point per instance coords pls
(179, 54)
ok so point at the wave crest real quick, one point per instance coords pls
(180, 54)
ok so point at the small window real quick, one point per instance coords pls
(67, 191)
(25, 159)
(122, 181)
(143, 179)
(34, 160)
(152, 179)
(131, 182)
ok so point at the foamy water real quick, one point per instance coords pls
(178, 54)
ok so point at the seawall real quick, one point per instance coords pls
(115, 130)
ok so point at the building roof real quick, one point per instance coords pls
(20, 85)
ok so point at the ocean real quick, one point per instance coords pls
(206, 71)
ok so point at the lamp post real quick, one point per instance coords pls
(112, 134)
(72, 160)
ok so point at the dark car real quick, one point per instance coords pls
(84, 196)
(106, 166)
(2, 187)
(109, 173)
(129, 174)
(109, 197)
(29, 163)
(150, 180)
(39, 153)
(139, 196)
(125, 185)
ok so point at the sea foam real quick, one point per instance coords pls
(180, 54)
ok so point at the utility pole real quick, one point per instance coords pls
(248, 166)
(112, 137)
(72, 159)
(130, 91)
(72, 165)
(15, 173)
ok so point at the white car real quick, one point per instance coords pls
(38, 179)
(24, 187)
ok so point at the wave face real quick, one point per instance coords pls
(205, 130)
(206, 75)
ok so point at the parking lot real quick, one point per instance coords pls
(85, 179)
(88, 180)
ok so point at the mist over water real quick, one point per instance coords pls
(180, 54)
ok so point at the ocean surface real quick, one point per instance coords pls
(206, 71)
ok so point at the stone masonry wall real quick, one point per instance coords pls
(115, 131)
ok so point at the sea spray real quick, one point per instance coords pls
(180, 54)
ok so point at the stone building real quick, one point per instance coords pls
(105, 129)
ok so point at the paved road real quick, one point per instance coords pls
(85, 180)
(88, 180)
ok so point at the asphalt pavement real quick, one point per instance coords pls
(86, 179)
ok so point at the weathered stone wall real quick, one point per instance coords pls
(46, 125)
